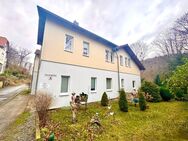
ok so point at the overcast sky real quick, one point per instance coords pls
(120, 21)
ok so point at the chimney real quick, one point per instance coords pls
(76, 23)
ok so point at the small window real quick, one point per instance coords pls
(121, 60)
(122, 83)
(126, 64)
(111, 57)
(85, 49)
(93, 84)
(64, 84)
(108, 83)
(133, 83)
(129, 62)
(106, 55)
(68, 43)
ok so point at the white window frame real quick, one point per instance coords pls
(129, 62)
(133, 83)
(109, 89)
(87, 55)
(68, 87)
(107, 55)
(95, 84)
(72, 45)
(126, 61)
(122, 83)
(121, 60)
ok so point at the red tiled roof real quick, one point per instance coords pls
(3, 41)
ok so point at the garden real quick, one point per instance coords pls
(159, 111)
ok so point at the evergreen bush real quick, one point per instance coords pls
(152, 89)
(142, 101)
(104, 99)
(123, 104)
(165, 94)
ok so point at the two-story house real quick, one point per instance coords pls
(73, 59)
(4, 44)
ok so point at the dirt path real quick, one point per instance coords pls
(10, 110)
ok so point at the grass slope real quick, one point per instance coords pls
(162, 121)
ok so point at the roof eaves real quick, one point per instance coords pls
(132, 55)
(44, 14)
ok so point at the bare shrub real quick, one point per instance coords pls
(43, 101)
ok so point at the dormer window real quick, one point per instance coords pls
(68, 43)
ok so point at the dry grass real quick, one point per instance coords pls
(162, 121)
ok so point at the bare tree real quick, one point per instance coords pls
(140, 49)
(12, 55)
(23, 54)
(181, 29)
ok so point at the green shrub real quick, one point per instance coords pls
(123, 104)
(104, 99)
(165, 94)
(151, 89)
(157, 80)
(142, 101)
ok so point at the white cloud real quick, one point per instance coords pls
(123, 21)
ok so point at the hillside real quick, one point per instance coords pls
(157, 65)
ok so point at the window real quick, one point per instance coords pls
(126, 64)
(129, 62)
(85, 49)
(68, 43)
(122, 83)
(109, 56)
(121, 60)
(93, 83)
(133, 82)
(64, 84)
(108, 83)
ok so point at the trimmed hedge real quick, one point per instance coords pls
(123, 104)
(104, 99)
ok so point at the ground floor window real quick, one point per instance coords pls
(64, 84)
(108, 83)
(93, 83)
(133, 83)
(122, 83)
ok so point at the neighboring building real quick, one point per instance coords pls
(73, 59)
(4, 44)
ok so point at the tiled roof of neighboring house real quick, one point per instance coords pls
(3, 41)
(43, 14)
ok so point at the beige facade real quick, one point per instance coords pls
(53, 50)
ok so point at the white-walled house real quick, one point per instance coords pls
(4, 44)
(73, 59)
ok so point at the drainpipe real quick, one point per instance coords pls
(118, 69)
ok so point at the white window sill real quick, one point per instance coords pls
(109, 90)
(85, 55)
(63, 94)
(70, 51)
(93, 91)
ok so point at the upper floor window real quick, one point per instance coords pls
(68, 43)
(109, 56)
(133, 84)
(126, 64)
(85, 48)
(121, 60)
(129, 62)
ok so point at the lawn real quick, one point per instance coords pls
(162, 121)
